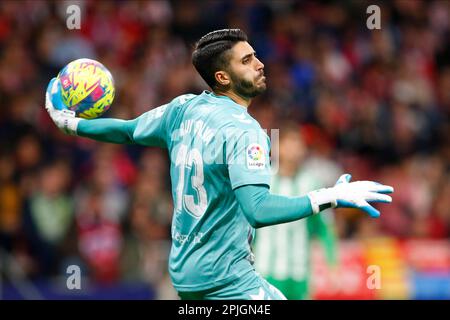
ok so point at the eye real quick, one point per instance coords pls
(246, 61)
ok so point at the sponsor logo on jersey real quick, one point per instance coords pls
(255, 157)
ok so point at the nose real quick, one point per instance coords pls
(259, 65)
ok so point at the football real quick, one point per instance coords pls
(87, 87)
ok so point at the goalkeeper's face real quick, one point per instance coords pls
(246, 71)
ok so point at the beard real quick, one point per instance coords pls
(246, 88)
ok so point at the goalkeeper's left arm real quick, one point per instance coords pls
(262, 208)
(104, 130)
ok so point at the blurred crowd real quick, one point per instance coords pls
(375, 103)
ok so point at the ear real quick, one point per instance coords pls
(222, 78)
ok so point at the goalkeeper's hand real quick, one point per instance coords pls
(64, 118)
(346, 194)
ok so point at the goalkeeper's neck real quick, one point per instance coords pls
(240, 100)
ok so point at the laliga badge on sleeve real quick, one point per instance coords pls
(256, 158)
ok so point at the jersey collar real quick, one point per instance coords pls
(212, 94)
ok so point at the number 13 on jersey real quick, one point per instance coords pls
(190, 165)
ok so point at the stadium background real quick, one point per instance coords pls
(373, 103)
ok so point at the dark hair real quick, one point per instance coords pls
(210, 55)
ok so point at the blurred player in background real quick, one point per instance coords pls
(283, 251)
(220, 171)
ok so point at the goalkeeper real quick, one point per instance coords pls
(220, 171)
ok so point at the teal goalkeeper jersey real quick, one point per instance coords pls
(215, 146)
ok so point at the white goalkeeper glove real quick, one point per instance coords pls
(346, 194)
(64, 118)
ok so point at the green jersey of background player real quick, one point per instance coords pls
(284, 251)
(220, 171)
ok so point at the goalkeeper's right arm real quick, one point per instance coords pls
(104, 130)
